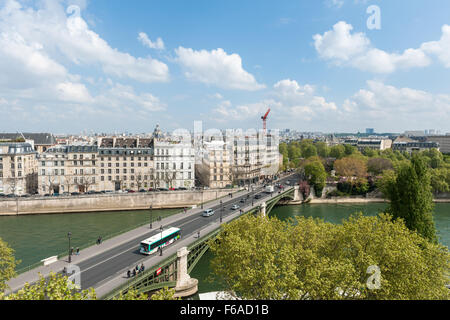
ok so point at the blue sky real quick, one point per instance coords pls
(126, 66)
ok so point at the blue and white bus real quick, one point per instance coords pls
(152, 244)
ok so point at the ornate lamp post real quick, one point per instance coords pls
(70, 255)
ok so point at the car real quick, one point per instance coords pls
(288, 182)
(234, 207)
(172, 189)
(11, 195)
(142, 190)
(163, 189)
(182, 188)
(131, 191)
(258, 196)
(74, 194)
(242, 200)
(208, 213)
(151, 189)
(2, 195)
(109, 191)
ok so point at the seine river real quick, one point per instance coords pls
(36, 237)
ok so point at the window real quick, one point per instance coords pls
(102, 178)
(43, 172)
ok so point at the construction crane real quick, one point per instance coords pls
(264, 119)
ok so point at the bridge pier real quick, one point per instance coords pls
(186, 286)
(263, 209)
(297, 193)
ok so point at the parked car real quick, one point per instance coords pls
(182, 188)
(109, 191)
(73, 194)
(258, 196)
(242, 200)
(234, 207)
(163, 189)
(131, 191)
(2, 195)
(151, 189)
(142, 190)
(208, 213)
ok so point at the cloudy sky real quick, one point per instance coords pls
(114, 66)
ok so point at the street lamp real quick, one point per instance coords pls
(161, 239)
(70, 256)
(151, 216)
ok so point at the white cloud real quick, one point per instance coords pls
(344, 48)
(145, 40)
(397, 107)
(440, 48)
(217, 68)
(290, 102)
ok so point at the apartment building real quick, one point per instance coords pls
(443, 141)
(405, 144)
(214, 169)
(371, 143)
(174, 162)
(126, 163)
(18, 168)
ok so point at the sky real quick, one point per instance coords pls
(71, 66)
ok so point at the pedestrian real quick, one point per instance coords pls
(198, 234)
(184, 210)
(128, 273)
(137, 267)
(64, 270)
(134, 272)
(142, 267)
(78, 251)
(71, 251)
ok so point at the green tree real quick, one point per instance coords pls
(164, 294)
(337, 152)
(411, 199)
(322, 149)
(7, 265)
(53, 288)
(316, 176)
(265, 258)
(349, 149)
(440, 180)
(351, 167)
(376, 166)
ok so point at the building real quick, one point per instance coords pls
(82, 172)
(174, 162)
(370, 131)
(371, 143)
(52, 170)
(39, 141)
(443, 141)
(405, 144)
(18, 168)
(126, 163)
(214, 168)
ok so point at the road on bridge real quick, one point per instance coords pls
(98, 269)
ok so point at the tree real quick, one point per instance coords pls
(53, 288)
(132, 295)
(305, 258)
(349, 149)
(316, 176)
(7, 265)
(351, 167)
(337, 152)
(164, 294)
(376, 166)
(440, 180)
(308, 149)
(411, 199)
(322, 149)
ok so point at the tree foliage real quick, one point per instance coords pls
(53, 288)
(265, 258)
(316, 175)
(376, 166)
(7, 264)
(351, 167)
(164, 294)
(411, 199)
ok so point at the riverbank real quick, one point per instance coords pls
(351, 200)
(109, 202)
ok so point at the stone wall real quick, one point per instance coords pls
(109, 202)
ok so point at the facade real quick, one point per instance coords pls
(405, 144)
(443, 141)
(174, 163)
(18, 168)
(39, 141)
(52, 170)
(371, 143)
(214, 168)
(125, 163)
(82, 172)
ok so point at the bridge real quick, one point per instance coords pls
(173, 272)
(104, 267)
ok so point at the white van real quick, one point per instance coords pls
(208, 213)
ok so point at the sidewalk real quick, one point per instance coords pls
(33, 275)
(113, 282)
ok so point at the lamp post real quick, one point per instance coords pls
(151, 216)
(70, 256)
(221, 211)
(161, 239)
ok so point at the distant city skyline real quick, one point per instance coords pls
(68, 66)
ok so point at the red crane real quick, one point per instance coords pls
(264, 119)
